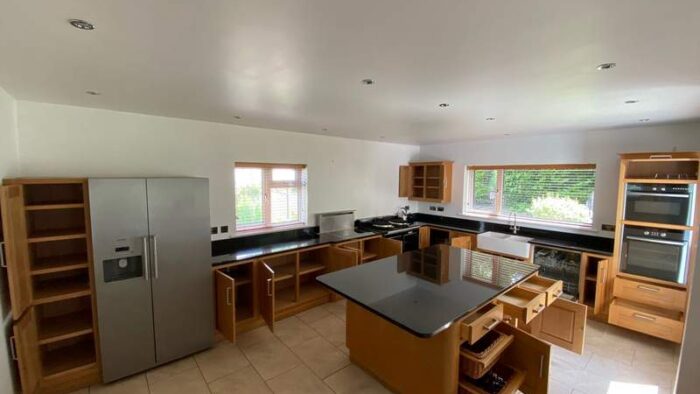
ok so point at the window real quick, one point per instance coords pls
(559, 194)
(269, 195)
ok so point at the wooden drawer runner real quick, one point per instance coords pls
(552, 288)
(647, 320)
(654, 295)
(476, 325)
(523, 304)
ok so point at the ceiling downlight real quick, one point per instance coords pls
(368, 81)
(92, 93)
(443, 105)
(81, 24)
(606, 66)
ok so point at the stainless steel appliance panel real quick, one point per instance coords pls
(183, 304)
(119, 219)
(660, 203)
(655, 253)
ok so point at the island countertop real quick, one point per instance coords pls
(425, 291)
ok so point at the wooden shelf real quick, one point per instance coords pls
(307, 267)
(284, 272)
(242, 281)
(61, 289)
(308, 292)
(662, 181)
(56, 235)
(657, 225)
(591, 278)
(64, 327)
(68, 359)
(368, 256)
(48, 207)
(58, 264)
(515, 379)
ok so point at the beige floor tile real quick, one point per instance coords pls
(332, 328)
(254, 337)
(292, 331)
(611, 351)
(352, 379)
(299, 380)
(321, 356)
(188, 382)
(557, 387)
(271, 358)
(221, 360)
(132, 385)
(311, 315)
(245, 380)
(171, 369)
(337, 308)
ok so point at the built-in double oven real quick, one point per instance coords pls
(657, 252)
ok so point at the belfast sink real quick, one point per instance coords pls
(508, 244)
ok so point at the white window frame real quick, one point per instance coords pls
(467, 209)
(268, 184)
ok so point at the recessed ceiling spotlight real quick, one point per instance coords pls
(506, 134)
(381, 137)
(631, 101)
(443, 105)
(644, 120)
(490, 118)
(81, 24)
(606, 66)
(368, 81)
(324, 129)
(92, 93)
(236, 117)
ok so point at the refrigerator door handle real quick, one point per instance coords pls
(155, 257)
(146, 260)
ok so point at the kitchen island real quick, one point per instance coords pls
(412, 317)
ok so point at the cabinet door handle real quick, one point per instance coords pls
(538, 309)
(229, 291)
(643, 317)
(3, 263)
(648, 288)
(492, 325)
(13, 348)
(269, 287)
(558, 293)
(541, 366)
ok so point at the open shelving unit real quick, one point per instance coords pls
(57, 323)
(426, 181)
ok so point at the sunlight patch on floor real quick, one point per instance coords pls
(632, 388)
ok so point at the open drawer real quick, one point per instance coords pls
(522, 304)
(476, 325)
(551, 287)
(523, 364)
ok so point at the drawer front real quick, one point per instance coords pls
(654, 295)
(552, 288)
(646, 323)
(473, 329)
(525, 313)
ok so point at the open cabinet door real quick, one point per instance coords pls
(225, 305)
(341, 258)
(16, 255)
(25, 345)
(390, 247)
(529, 355)
(464, 242)
(404, 181)
(600, 285)
(423, 237)
(563, 323)
(266, 290)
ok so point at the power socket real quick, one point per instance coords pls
(432, 208)
(441, 209)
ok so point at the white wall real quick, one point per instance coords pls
(57, 140)
(8, 167)
(598, 147)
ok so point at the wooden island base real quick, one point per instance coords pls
(402, 361)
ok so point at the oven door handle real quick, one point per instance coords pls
(656, 241)
(658, 194)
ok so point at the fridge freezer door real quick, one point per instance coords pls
(119, 217)
(183, 295)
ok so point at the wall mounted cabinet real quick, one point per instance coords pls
(426, 181)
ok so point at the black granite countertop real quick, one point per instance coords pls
(425, 291)
(305, 240)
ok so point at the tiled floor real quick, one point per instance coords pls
(307, 354)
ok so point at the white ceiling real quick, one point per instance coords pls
(297, 64)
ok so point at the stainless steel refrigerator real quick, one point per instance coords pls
(152, 256)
